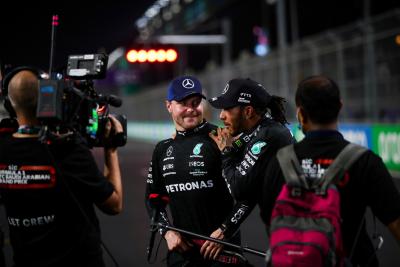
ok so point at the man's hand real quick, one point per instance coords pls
(176, 242)
(113, 204)
(113, 124)
(222, 138)
(211, 250)
(113, 127)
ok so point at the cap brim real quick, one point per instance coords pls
(221, 103)
(189, 94)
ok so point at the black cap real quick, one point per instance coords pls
(241, 92)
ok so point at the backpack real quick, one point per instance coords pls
(305, 227)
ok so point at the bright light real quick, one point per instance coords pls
(261, 50)
(142, 55)
(151, 56)
(398, 39)
(171, 55)
(132, 56)
(161, 55)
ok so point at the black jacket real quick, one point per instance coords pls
(366, 184)
(244, 166)
(187, 170)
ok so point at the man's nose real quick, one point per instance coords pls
(222, 115)
(189, 108)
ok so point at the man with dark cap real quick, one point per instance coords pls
(254, 130)
(185, 171)
(367, 182)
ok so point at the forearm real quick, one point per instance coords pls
(240, 212)
(112, 171)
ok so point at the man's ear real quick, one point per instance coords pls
(249, 112)
(168, 106)
(301, 115)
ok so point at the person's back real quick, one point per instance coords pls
(46, 224)
(366, 184)
(49, 189)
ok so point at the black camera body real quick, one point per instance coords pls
(91, 66)
(73, 105)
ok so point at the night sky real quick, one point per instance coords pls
(26, 28)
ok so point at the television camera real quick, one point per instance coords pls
(71, 104)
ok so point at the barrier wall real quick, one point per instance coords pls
(383, 139)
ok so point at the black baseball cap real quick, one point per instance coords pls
(241, 92)
(184, 86)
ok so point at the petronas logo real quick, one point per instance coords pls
(197, 148)
(256, 148)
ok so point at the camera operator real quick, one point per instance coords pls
(49, 189)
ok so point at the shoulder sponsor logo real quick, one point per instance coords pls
(256, 148)
(169, 151)
(197, 149)
(168, 167)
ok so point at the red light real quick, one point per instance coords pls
(142, 55)
(151, 55)
(132, 56)
(172, 55)
(161, 55)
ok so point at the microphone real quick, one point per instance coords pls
(157, 202)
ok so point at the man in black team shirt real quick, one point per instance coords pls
(366, 184)
(49, 190)
(254, 130)
(187, 170)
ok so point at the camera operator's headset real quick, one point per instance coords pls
(6, 81)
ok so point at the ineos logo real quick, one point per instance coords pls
(188, 83)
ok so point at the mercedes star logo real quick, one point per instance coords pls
(225, 89)
(169, 151)
(188, 83)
